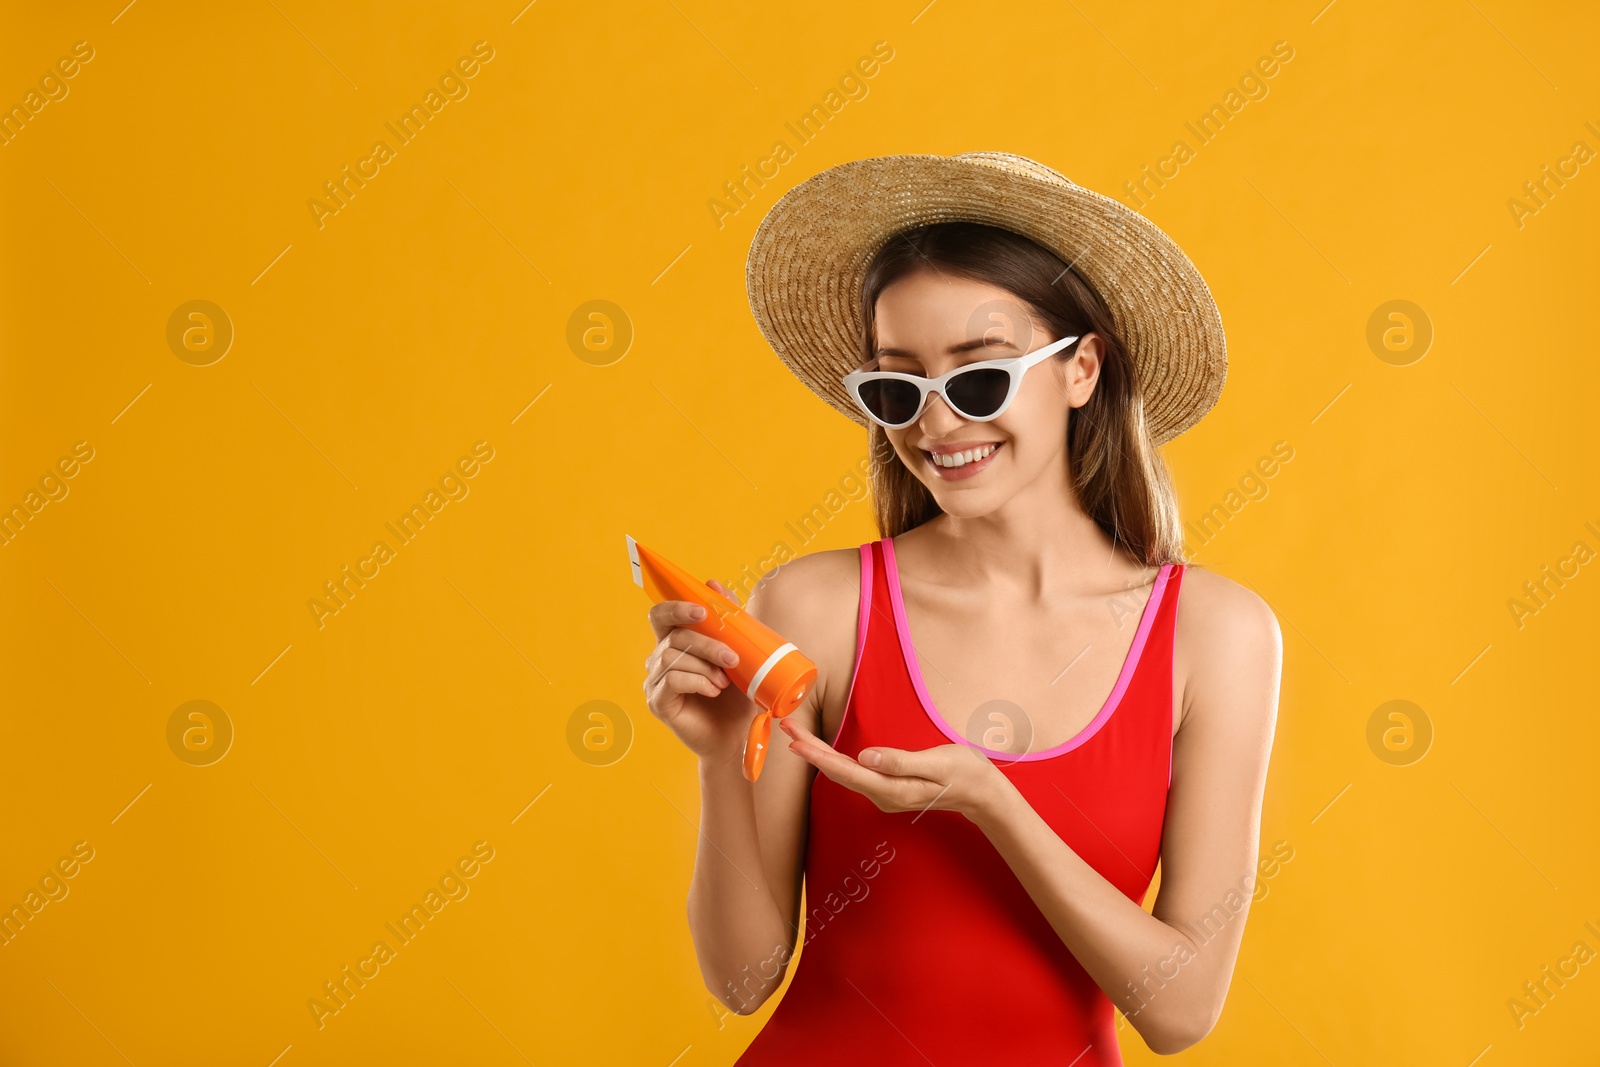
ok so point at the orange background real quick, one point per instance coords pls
(434, 310)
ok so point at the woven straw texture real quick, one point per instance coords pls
(810, 253)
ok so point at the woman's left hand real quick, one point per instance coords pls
(955, 778)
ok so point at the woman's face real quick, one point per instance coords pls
(920, 318)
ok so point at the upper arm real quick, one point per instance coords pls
(1233, 659)
(810, 601)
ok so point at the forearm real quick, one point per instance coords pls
(740, 937)
(1153, 972)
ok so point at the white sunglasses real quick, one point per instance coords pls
(979, 392)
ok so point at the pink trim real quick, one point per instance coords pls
(1172, 666)
(861, 632)
(1146, 620)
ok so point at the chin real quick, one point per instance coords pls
(966, 504)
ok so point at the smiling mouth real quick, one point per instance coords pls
(958, 460)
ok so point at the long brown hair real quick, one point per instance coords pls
(1121, 480)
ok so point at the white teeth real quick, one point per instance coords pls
(961, 459)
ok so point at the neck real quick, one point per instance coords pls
(1040, 542)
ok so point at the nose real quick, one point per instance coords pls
(938, 418)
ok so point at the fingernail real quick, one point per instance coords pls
(729, 658)
(697, 612)
(872, 757)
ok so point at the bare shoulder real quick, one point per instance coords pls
(813, 600)
(1227, 637)
(814, 579)
(1214, 605)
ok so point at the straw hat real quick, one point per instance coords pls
(811, 251)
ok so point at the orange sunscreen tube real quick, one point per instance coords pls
(771, 671)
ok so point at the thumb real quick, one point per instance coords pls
(724, 590)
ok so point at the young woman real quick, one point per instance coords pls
(1016, 714)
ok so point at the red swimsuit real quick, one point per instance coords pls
(921, 946)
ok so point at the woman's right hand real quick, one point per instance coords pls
(686, 686)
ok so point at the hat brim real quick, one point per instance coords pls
(810, 254)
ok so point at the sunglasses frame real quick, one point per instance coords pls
(1014, 366)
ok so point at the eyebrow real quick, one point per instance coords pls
(954, 350)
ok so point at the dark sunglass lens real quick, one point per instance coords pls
(979, 393)
(890, 400)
